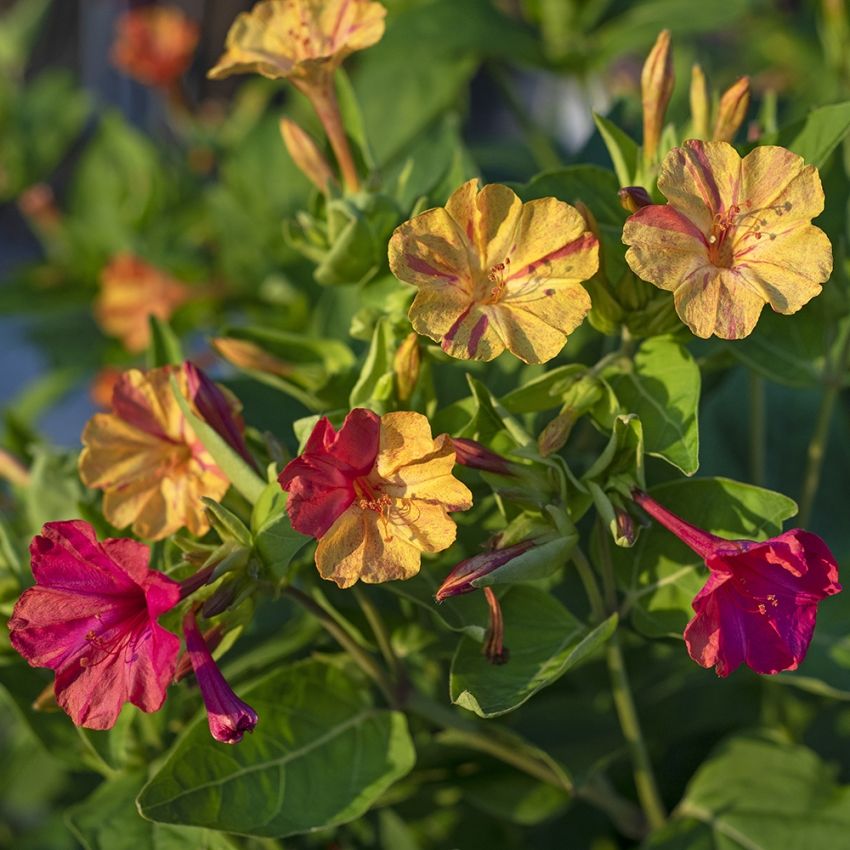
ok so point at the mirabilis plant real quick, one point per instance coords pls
(489, 504)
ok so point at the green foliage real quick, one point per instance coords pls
(317, 721)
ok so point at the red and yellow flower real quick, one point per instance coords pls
(131, 291)
(376, 494)
(495, 273)
(734, 235)
(146, 458)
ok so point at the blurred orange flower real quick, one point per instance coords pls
(302, 40)
(495, 273)
(146, 458)
(734, 235)
(154, 45)
(131, 290)
(376, 494)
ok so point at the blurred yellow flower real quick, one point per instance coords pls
(376, 494)
(302, 40)
(131, 290)
(495, 273)
(735, 234)
(147, 460)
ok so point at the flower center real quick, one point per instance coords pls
(495, 283)
(723, 227)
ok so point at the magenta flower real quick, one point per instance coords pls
(91, 617)
(228, 716)
(759, 604)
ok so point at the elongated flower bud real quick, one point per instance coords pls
(732, 110)
(632, 198)
(656, 86)
(700, 104)
(306, 155)
(472, 454)
(406, 365)
(460, 579)
(229, 717)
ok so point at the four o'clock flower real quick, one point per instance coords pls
(759, 604)
(155, 44)
(229, 717)
(376, 494)
(131, 290)
(734, 235)
(147, 460)
(495, 273)
(92, 617)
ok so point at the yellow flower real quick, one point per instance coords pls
(301, 40)
(495, 273)
(147, 460)
(131, 290)
(734, 235)
(376, 494)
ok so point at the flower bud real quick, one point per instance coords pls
(460, 579)
(306, 155)
(632, 198)
(700, 104)
(229, 718)
(556, 433)
(472, 454)
(406, 365)
(656, 85)
(248, 355)
(732, 110)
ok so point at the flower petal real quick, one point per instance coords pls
(779, 187)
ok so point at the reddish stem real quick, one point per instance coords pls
(703, 543)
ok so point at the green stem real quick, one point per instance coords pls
(758, 429)
(591, 586)
(816, 452)
(644, 776)
(376, 624)
(360, 657)
(539, 144)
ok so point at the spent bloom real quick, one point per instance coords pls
(495, 273)
(301, 40)
(92, 618)
(229, 717)
(376, 494)
(154, 44)
(131, 290)
(734, 235)
(759, 604)
(145, 457)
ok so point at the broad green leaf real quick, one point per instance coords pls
(275, 540)
(663, 389)
(54, 491)
(622, 149)
(317, 725)
(543, 392)
(539, 562)
(793, 350)
(374, 387)
(755, 793)
(240, 475)
(819, 134)
(543, 640)
(108, 820)
(515, 797)
(661, 576)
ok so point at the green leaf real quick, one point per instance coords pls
(544, 392)
(275, 540)
(240, 475)
(660, 575)
(544, 641)
(515, 797)
(820, 134)
(54, 491)
(663, 389)
(622, 149)
(538, 562)
(755, 793)
(316, 724)
(374, 387)
(164, 348)
(108, 820)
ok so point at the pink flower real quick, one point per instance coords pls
(91, 617)
(228, 716)
(759, 604)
